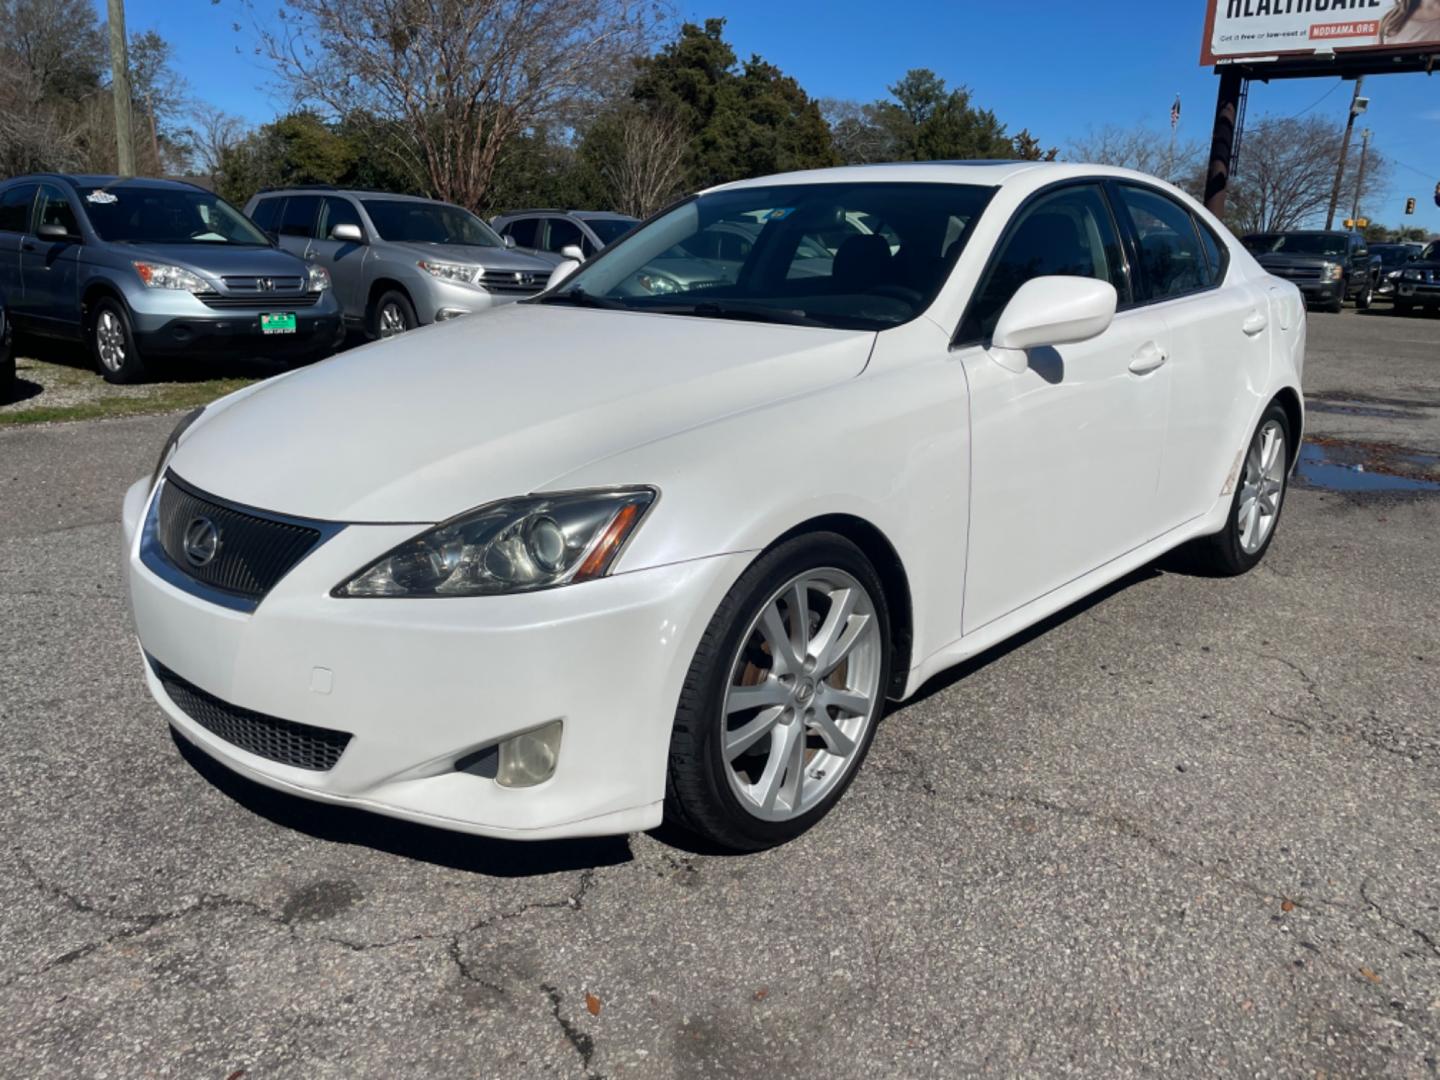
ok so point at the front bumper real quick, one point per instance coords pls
(1328, 291)
(457, 299)
(204, 331)
(420, 684)
(1417, 293)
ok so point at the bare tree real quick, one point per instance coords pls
(857, 130)
(646, 167)
(457, 78)
(213, 133)
(1287, 170)
(1143, 149)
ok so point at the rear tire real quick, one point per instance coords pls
(392, 315)
(1258, 502)
(767, 737)
(113, 343)
(7, 358)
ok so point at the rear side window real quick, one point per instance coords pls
(1170, 255)
(266, 211)
(15, 207)
(1068, 233)
(299, 216)
(55, 210)
(523, 230)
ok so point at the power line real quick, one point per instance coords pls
(1318, 100)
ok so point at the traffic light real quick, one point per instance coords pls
(1410, 203)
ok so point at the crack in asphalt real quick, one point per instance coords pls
(583, 1043)
(1430, 942)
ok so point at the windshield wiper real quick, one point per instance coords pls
(580, 298)
(729, 309)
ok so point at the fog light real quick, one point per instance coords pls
(446, 313)
(529, 758)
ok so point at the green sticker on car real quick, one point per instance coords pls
(282, 322)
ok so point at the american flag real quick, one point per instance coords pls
(1175, 113)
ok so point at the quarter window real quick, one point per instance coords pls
(1216, 254)
(1068, 233)
(15, 207)
(1169, 247)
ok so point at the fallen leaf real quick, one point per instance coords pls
(236, 1075)
(1287, 906)
(762, 994)
(1370, 975)
(592, 1004)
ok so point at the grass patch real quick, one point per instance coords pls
(158, 398)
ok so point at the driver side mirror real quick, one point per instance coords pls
(572, 251)
(509, 240)
(1050, 311)
(347, 234)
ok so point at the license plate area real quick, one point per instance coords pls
(277, 322)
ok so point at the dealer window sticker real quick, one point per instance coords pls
(104, 198)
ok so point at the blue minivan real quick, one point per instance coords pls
(141, 269)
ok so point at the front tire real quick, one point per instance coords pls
(392, 315)
(782, 698)
(1259, 500)
(113, 343)
(1364, 298)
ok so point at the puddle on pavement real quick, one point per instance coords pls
(1339, 466)
(1376, 411)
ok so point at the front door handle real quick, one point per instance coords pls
(1149, 357)
(1255, 323)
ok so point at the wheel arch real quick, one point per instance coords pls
(383, 285)
(1289, 400)
(893, 577)
(95, 290)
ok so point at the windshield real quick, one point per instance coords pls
(1299, 244)
(1392, 254)
(428, 223)
(135, 214)
(1432, 253)
(853, 256)
(610, 229)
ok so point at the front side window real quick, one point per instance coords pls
(55, 210)
(1067, 233)
(15, 205)
(413, 222)
(338, 211)
(523, 231)
(132, 213)
(1170, 253)
(298, 218)
(731, 255)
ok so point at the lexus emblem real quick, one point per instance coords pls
(202, 541)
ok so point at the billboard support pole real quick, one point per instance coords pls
(1344, 154)
(1222, 140)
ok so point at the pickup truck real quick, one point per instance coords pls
(1419, 281)
(1328, 267)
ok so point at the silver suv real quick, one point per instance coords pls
(396, 261)
(550, 232)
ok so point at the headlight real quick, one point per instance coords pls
(450, 271)
(1330, 272)
(164, 276)
(534, 542)
(1413, 275)
(171, 443)
(657, 283)
(317, 279)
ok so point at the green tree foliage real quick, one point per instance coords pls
(742, 119)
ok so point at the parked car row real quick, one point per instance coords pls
(1330, 267)
(142, 269)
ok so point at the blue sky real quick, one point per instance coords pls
(1056, 68)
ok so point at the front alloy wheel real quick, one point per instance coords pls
(783, 696)
(113, 343)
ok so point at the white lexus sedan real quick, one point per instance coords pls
(641, 548)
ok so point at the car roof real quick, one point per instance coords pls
(98, 180)
(986, 173)
(583, 215)
(354, 193)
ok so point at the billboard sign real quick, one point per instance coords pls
(1250, 29)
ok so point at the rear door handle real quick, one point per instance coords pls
(1149, 357)
(1255, 323)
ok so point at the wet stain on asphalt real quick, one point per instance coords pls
(1334, 465)
(1376, 411)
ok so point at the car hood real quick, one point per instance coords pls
(424, 426)
(220, 260)
(492, 258)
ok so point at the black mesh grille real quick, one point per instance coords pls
(253, 553)
(262, 301)
(298, 745)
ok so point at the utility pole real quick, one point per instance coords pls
(1360, 178)
(120, 82)
(1357, 106)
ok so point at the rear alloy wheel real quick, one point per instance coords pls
(783, 696)
(1259, 498)
(393, 315)
(113, 343)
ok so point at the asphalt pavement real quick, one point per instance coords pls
(1188, 828)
